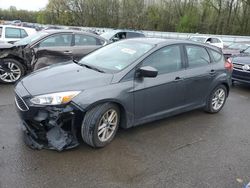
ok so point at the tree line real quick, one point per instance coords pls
(196, 16)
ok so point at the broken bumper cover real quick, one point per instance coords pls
(50, 127)
(55, 138)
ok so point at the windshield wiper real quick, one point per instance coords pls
(88, 66)
(91, 67)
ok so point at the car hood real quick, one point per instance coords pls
(64, 77)
(243, 59)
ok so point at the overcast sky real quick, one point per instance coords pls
(24, 4)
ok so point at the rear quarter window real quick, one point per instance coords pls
(216, 56)
(215, 40)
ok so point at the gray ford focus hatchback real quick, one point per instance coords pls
(123, 84)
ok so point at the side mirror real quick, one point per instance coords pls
(242, 51)
(147, 71)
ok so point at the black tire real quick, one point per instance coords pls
(17, 64)
(233, 82)
(89, 129)
(209, 106)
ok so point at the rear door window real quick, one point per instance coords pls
(197, 56)
(12, 32)
(58, 40)
(85, 40)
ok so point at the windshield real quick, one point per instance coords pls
(238, 46)
(116, 56)
(198, 39)
(31, 38)
(108, 35)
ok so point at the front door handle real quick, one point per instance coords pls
(67, 52)
(177, 79)
(212, 72)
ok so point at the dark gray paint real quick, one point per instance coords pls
(143, 99)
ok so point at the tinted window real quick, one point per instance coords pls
(165, 60)
(12, 33)
(215, 40)
(197, 56)
(57, 40)
(198, 39)
(134, 35)
(1, 31)
(85, 40)
(121, 35)
(216, 55)
(23, 33)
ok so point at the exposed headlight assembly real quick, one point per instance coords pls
(54, 98)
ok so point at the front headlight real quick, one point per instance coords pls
(54, 98)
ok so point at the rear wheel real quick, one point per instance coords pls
(100, 124)
(216, 99)
(10, 71)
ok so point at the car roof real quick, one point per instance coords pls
(13, 26)
(203, 36)
(127, 30)
(55, 31)
(163, 42)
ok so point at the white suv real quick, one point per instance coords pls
(215, 41)
(10, 33)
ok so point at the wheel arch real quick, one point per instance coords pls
(19, 59)
(126, 119)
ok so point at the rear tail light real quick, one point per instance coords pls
(228, 64)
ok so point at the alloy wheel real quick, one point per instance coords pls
(10, 72)
(107, 125)
(218, 99)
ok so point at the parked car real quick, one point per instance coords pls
(123, 84)
(115, 35)
(17, 59)
(11, 34)
(235, 48)
(241, 67)
(215, 41)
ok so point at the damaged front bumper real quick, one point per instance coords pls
(49, 127)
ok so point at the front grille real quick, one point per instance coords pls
(240, 67)
(20, 103)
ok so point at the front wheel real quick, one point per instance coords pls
(10, 71)
(216, 99)
(100, 124)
